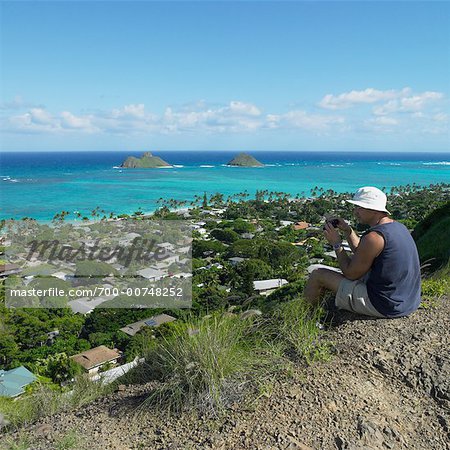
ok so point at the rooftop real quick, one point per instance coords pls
(154, 321)
(262, 285)
(12, 382)
(95, 357)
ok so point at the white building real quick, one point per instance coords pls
(152, 274)
(266, 287)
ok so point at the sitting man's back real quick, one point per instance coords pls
(395, 273)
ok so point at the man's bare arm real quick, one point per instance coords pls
(352, 238)
(353, 268)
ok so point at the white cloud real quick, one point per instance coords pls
(132, 111)
(40, 116)
(304, 120)
(235, 117)
(69, 120)
(417, 102)
(245, 109)
(382, 120)
(387, 108)
(394, 100)
(440, 117)
(17, 103)
(239, 117)
(352, 98)
(408, 104)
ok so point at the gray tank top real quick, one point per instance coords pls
(393, 283)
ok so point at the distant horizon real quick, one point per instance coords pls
(426, 152)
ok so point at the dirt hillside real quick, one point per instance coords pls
(386, 387)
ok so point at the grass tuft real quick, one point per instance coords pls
(44, 401)
(208, 364)
(295, 325)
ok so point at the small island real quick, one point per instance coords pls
(147, 161)
(245, 160)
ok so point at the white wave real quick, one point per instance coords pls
(116, 167)
(13, 180)
(440, 163)
(388, 164)
(178, 165)
(337, 165)
(206, 165)
(271, 165)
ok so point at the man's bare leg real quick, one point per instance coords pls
(321, 279)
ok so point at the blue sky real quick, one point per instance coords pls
(225, 76)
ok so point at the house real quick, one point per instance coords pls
(184, 250)
(92, 360)
(166, 246)
(129, 238)
(266, 287)
(85, 305)
(51, 336)
(61, 275)
(313, 267)
(162, 265)
(14, 381)
(9, 269)
(301, 226)
(235, 260)
(169, 258)
(247, 235)
(154, 321)
(152, 274)
(182, 275)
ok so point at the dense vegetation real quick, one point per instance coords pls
(223, 291)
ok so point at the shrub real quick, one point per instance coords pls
(44, 400)
(435, 287)
(295, 325)
(207, 363)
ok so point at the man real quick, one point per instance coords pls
(382, 278)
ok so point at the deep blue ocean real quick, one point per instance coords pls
(39, 185)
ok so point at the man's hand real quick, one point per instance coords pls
(331, 234)
(344, 226)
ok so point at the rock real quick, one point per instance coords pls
(245, 160)
(3, 421)
(294, 444)
(147, 161)
(44, 429)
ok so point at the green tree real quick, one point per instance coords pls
(58, 367)
(225, 235)
(9, 350)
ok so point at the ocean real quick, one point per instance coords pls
(39, 185)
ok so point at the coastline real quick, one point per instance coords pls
(47, 183)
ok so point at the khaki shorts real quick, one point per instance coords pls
(352, 296)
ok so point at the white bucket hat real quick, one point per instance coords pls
(370, 197)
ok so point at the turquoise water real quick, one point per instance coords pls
(39, 185)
